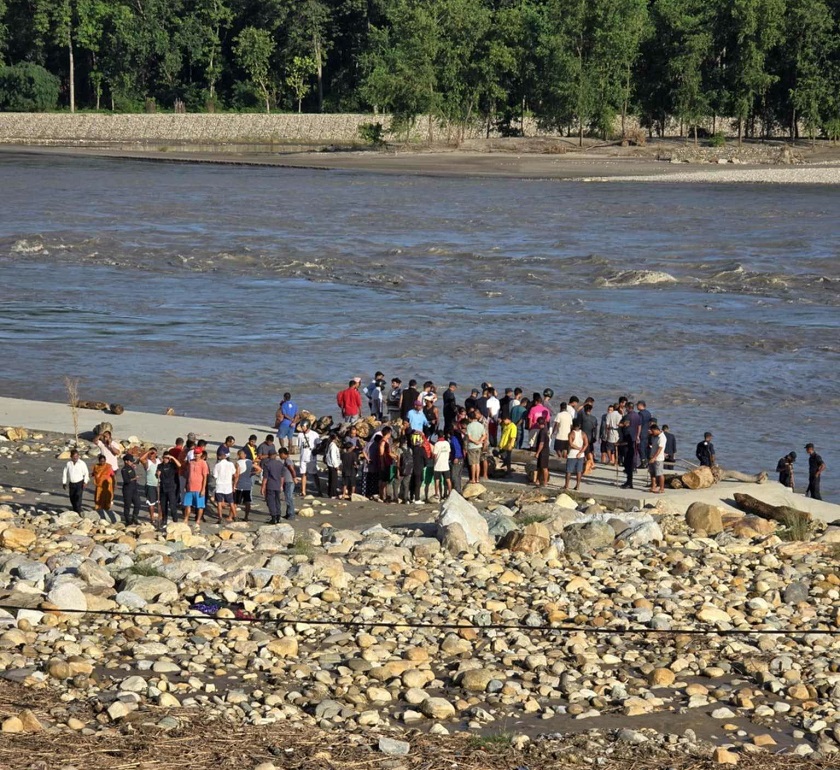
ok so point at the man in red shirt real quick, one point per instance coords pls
(349, 401)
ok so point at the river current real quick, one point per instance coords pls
(212, 289)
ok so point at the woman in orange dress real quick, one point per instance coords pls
(103, 477)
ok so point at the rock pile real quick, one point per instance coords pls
(500, 610)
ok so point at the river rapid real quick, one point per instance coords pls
(212, 289)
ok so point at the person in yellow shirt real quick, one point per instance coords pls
(507, 441)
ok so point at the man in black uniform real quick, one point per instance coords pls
(130, 490)
(785, 470)
(168, 473)
(450, 406)
(815, 468)
(272, 484)
(705, 452)
(627, 450)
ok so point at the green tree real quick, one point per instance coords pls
(755, 28)
(90, 29)
(253, 48)
(808, 72)
(401, 73)
(301, 69)
(201, 36)
(28, 87)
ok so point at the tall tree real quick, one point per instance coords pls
(401, 72)
(755, 28)
(253, 48)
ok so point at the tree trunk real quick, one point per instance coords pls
(695, 134)
(740, 130)
(723, 474)
(72, 74)
(300, 101)
(319, 69)
(781, 513)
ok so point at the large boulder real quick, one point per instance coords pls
(457, 510)
(584, 538)
(454, 539)
(17, 538)
(472, 490)
(67, 596)
(534, 538)
(151, 588)
(704, 517)
(642, 534)
(498, 523)
(274, 537)
(560, 518)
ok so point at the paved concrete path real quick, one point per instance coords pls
(604, 484)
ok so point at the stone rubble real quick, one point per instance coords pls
(446, 625)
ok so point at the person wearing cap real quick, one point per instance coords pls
(815, 468)
(130, 491)
(705, 451)
(417, 417)
(431, 412)
(785, 470)
(373, 392)
(272, 484)
(349, 401)
(168, 474)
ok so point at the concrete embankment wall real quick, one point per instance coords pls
(82, 128)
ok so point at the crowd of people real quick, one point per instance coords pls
(417, 451)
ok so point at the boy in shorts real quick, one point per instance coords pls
(196, 486)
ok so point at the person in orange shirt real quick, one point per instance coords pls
(196, 489)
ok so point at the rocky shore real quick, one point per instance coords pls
(506, 629)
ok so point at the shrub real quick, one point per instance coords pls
(717, 140)
(27, 87)
(372, 133)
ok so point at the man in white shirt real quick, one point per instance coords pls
(244, 482)
(613, 418)
(561, 426)
(657, 459)
(226, 475)
(307, 441)
(74, 479)
(493, 407)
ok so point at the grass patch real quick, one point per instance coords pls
(302, 547)
(145, 569)
(500, 740)
(795, 528)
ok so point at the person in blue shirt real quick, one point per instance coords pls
(285, 420)
(417, 417)
(456, 441)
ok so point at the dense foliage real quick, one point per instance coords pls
(767, 65)
(28, 88)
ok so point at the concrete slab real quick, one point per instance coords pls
(157, 428)
(604, 485)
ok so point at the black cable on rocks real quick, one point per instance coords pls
(284, 621)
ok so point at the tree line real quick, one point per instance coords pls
(763, 66)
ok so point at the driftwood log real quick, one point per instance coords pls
(100, 406)
(723, 474)
(784, 514)
(701, 477)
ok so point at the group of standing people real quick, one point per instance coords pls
(419, 454)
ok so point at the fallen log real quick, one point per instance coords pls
(723, 474)
(784, 514)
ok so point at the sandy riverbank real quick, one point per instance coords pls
(591, 166)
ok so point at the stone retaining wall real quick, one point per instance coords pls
(38, 128)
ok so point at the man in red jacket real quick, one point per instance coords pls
(350, 401)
